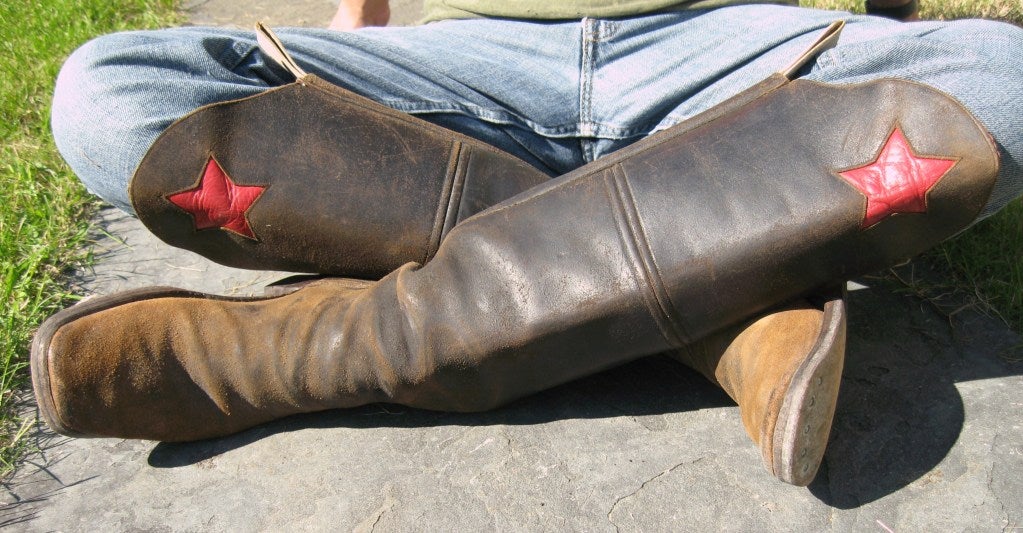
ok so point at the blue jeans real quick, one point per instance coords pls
(557, 95)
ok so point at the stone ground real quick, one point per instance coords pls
(928, 434)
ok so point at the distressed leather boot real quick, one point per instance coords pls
(646, 250)
(783, 369)
(310, 177)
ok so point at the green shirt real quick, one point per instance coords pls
(567, 9)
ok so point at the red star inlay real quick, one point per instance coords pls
(898, 180)
(217, 202)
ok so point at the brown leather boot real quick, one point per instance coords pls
(784, 371)
(172, 365)
(643, 251)
(310, 177)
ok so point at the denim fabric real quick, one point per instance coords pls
(556, 94)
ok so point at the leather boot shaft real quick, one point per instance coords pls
(310, 177)
(760, 203)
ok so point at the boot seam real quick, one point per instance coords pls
(450, 196)
(630, 229)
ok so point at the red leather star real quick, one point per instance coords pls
(898, 180)
(217, 202)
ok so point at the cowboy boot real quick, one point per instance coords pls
(279, 111)
(783, 369)
(310, 177)
(645, 250)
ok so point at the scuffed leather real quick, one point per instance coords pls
(684, 233)
(734, 219)
(756, 364)
(353, 188)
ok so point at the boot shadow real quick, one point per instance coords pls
(649, 386)
(899, 412)
(898, 416)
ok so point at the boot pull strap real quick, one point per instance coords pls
(828, 40)
(272, 47)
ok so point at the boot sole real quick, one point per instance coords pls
(804, 421)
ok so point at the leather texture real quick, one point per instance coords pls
(316, 179)
(651, 248)
(730, 219)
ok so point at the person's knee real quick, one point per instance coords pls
(72, 97)
(78, 92)
(977, 62)
(117, 93)
(994, 45)
(974, 33)
(992, 72)
(90, 118)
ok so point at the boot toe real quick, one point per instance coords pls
(41, 383)
(66, 375)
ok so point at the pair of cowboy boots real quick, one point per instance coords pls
(779, 192)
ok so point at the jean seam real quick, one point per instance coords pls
(588, 44)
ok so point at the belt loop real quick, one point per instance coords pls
(590, 29)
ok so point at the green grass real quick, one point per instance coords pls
(1006, 10)
(983, 267)
(44, 214)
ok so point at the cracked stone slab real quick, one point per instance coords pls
(928, 436)
(127, 256)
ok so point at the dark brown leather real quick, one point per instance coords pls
(750, 209)
(353, 188)
(648, 249)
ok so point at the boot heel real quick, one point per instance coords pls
(805, 417)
